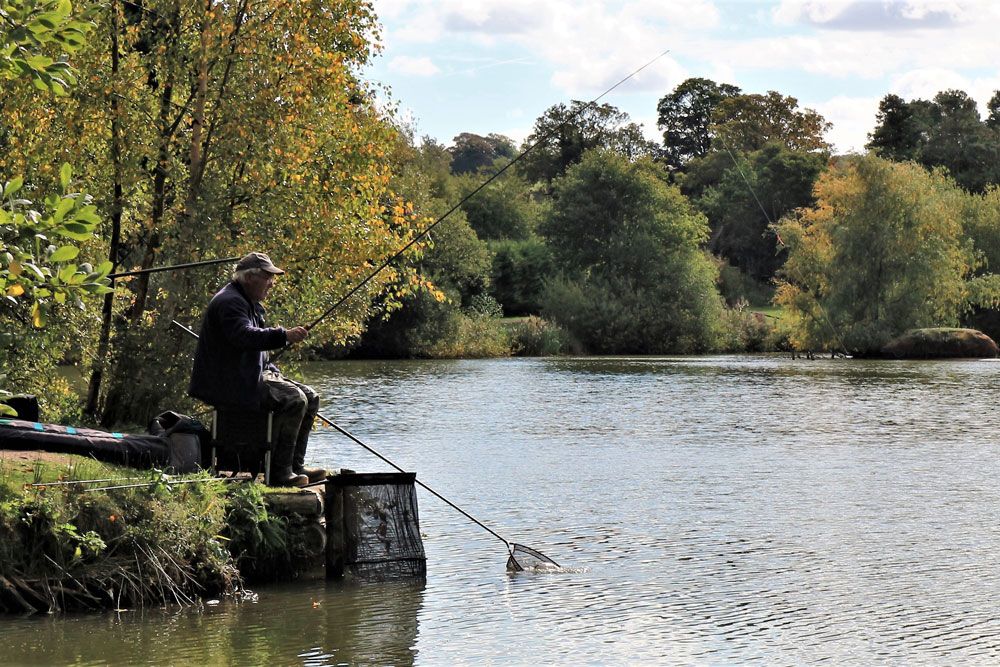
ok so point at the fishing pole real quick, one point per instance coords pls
(472, 194)
(89, 481)
(165, 482)
(172, 267)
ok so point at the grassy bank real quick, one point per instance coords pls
(134, 538)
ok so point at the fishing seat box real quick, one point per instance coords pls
(242, 441)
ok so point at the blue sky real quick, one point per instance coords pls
(487, 66)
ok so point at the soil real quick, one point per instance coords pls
(33, 455)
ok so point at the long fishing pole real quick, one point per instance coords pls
(329, 422)
(472, 194)
(172, 267)
(165, 482)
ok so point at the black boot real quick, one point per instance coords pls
(298, 465)
(281, 468)
(313, 474)
(285, 477)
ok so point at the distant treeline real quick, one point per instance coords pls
(142, 136)
(623, 245)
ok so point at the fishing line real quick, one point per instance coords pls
(771, 226)
(472, 194)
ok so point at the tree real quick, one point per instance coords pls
(993, 106)
(223, 128)
(501, 210)
(472, 152)
(521, 269)
(882, 251)
(944, 132)
(749, 197)
(749, 122)
(628, 245)
(685, 118)
(564, 134)
(967, 147)
(37, 276)
(899, 127)
(449, 273)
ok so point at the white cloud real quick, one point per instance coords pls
(852, 117)
(589, 44)
(926, 83)
(791, 12)
(413, 66)
(886, 15)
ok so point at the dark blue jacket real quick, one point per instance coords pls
(230, 356)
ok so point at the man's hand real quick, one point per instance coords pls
(296, 335)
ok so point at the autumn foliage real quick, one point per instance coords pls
(204, 130)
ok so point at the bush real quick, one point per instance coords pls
(520, 270)
(535, 337)
(473, 336)
(608, 317)
(748, 331)
(634, 277)
(734, 285)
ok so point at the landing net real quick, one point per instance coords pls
(526, 559)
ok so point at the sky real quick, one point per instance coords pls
(495, 66)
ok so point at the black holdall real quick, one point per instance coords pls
(186, 435)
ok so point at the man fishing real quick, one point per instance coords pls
(232, 367)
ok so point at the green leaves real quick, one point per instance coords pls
(65, 253)
(36, 273)
(31, 27)
(12, 187)
(65, 172)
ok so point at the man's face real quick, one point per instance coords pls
(259, 285)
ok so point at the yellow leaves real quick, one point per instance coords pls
(15, 290)
(15, 268)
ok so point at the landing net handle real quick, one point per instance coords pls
(479, 523)
(518, 554)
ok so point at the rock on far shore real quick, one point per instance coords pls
(941, 343)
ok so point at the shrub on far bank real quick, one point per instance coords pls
(750, 331)
(534, 337)
(472, 336)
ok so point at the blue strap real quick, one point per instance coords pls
(38, 427)
(71, 430)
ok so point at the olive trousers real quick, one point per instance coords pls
(295, 406)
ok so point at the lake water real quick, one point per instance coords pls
(706, 510)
